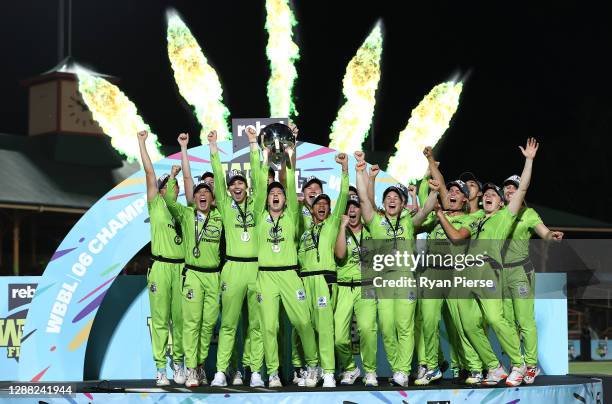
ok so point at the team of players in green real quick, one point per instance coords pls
(310, 260)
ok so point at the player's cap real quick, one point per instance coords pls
(393, 188)
(311, 180)
(461, 185)
(353, 189)
(469, 176)
(162, 181)
(201, 185)
(490, 185)
(275, 184)
(319, 197)
(234, 175)
(207, 174)
(514, 180)
(353, 199)
(404, 190)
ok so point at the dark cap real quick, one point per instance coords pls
(207, 174)
(162, 181)
(354, 199)
(319, 197)
(469, 176)
(234, 175)
(275, 184)
(201, 185)
(311, 180)
(393, 188)
(514, 180)
(404, 190)
(490, 185)
(353, 188)
(461, 185)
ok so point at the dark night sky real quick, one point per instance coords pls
(534, 71)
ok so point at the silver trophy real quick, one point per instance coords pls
(277, 137)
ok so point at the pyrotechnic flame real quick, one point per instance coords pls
(427, 123)
(197, 81)
(282, 53)
(360, 82)
(117, 116)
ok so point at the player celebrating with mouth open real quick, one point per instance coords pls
(239, 275)
(277, 223)
(202, 228)
(396, 312)
(493, 229)
(318, 269)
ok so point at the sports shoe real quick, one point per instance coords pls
(312, 377)
(201, 375)
(298, 375)
(400, 378)
(192, 378)
(329, 380)
(179, 373)
(349, 377)
(422, 369)
(444, 366)
(237, 380)
(530, 374)
(274, 381)
(430, 376)
(256, 380)
(219, 380)
(370, 380)
(162, 379)
(475, 377)
(516, 377)
(495, 376)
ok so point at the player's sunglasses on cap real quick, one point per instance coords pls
(312, 180)
(461, 185)
(469, 176)
(514, 180)
(235, 175)
(490, 185)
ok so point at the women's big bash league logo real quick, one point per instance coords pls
(602, 348)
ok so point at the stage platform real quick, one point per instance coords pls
(546, 390)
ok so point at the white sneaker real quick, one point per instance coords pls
(421, 371)
(474, 378)
(400, 378)
(530, 374)
(192, 378)
(201, 375)
(495, 376)
(349, 377)
(329, 380)
(256, 380)
(370, 380)
(299, 377)
(516, 377)
(274, 381)
(430, 376)
(219, 380)
(312, 377)
(237, 381)
(161, 379)
(179, 373)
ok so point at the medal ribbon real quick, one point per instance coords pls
(394, 229)
(275, 228)
(243, 214)
(315, 240)
(198, 236)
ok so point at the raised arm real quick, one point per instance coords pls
(261, 177)
(215, 160)
(183, 140)
(436, 174)
(150, 178)
(340, 208)
(530, 150)
(545, 233)
(374, 171)
(175, 208)
(430, 202)
(453, 234)
(340, 248)
(255, 162)
(292, 202)
(367, 209)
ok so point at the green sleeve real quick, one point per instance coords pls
(256, 184)
(220, 187)
(340, 208)
(175, 208)
(423, 191)
(534, 220)
(505, 224)
(260, 197)
(430, 222)
(293, 207)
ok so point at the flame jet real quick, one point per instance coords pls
(197, 81)
(117, 116)
(360, 82)
(427, 123)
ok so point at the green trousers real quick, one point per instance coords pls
(200, 314)
(239, 279)
(285, 286)
(488, 305)
(519, 292)
(321, 298)
(396, 318)
(349, 300)
(164, 284)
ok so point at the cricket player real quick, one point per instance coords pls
(164, 275)
(519, 276)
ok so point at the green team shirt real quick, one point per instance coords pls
(163, 233)
(326, 233)
(305, 218)
(211, 237)
(435, 231)
(233, 221)
(517, 248)
(349, 268)
(287, 226)
(381, 229)
(495, 230)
